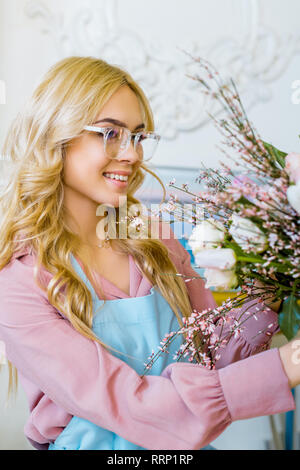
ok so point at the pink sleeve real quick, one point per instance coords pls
(87, 381)
(249, 341)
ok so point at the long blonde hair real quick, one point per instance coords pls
(68, 98)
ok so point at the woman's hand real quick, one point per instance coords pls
(290, 358)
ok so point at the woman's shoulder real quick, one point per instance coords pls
(20, 259)
(18, 275)
(22, 300)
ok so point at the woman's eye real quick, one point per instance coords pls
(141, 138)
(112, 134)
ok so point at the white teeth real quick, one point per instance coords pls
(115, 176)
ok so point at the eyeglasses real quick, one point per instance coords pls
(117, 140)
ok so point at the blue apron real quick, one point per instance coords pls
(134, 326)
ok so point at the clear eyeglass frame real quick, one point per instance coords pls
(126, 139)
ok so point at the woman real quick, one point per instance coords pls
(79, 318)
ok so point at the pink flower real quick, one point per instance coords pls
(247, 187)
(292, 166)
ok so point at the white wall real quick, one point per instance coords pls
(256, 42)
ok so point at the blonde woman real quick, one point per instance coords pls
(79, 317)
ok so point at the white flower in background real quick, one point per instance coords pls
(222, 258)
(293, 196)
(208, 234)
(292, 166)
(221, 280)
(247, 234)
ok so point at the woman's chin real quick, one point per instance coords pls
(115, 202)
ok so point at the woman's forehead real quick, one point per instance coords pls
(125, 108)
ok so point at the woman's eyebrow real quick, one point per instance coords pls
(119, 123)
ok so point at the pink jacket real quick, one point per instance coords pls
(65, 374)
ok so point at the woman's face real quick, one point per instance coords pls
(86, 163)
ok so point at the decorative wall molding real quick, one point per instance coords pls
(255, 62)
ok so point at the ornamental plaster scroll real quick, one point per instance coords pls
(254, 62)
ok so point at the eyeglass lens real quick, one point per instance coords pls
(116, 142)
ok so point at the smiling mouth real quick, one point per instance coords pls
(116, 181)
(116, 177)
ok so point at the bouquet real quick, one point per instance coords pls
(246, 226)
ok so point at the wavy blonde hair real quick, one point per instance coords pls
(69, 97)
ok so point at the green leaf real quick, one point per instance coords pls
(245, 202)
(234, 246)
(278, 155)
(289, 317)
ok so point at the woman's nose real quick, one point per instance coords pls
(130, 154)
